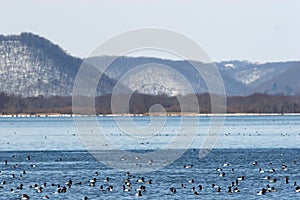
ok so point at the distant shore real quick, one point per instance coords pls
(147, 114)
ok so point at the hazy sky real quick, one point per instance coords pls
(254, 30)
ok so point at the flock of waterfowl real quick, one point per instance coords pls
(137, 185)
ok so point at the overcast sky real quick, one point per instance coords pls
(254, 30)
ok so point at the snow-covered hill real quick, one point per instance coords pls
(31, 65)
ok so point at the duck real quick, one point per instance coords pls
(106, 180)
(193, 189)
(236, 182)
(69, 183)
(110, 188)
(222, 174)
(298, 189)
(286, 179)
(262, 192)
(272, 189)
(141, 188)
(236, 189)
(219, 169)
(241, 178)
(125, 189)
(284, 167)
(226, 164)
(40, 190)
(188, 166)
(141, 180)
(273, 180)
(93, 180)
(261, 171)
(20, 187)
(271, 170)
(24, 197)
(138, 194)
(229, 190)
(173, 190)
(200, 187)
(92, 184)
(191, 181)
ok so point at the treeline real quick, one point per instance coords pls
(141, 103)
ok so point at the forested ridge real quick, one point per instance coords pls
(141, 103)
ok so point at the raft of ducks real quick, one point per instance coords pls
(233, 187)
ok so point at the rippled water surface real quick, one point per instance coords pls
(57, 155)
(79, 166)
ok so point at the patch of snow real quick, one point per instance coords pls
(247, 77)
(229, 65)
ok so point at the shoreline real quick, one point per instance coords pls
(147, 115)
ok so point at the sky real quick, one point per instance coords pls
(253, 30)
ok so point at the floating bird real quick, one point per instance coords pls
(110, 188)
(271, 170)
(236, 189)
(261, 171)
(24, 197)
(222, 174)
(229, 190)
(20, 187)
(286, 179)
(262, 192)
(106, 180)
(200, 187)
(93, 180)
(188, 166)
(138, 194)
(125, 189)
(284, 167)
(173, 190)
(191, 181)
(219, 169)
